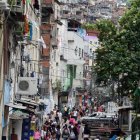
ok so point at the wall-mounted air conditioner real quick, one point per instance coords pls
(3, 4)
(27, 86)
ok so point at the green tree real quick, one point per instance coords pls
(118, 57)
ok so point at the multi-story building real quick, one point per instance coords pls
(90, 11)
(72, 60)
(74, 10)
(90, 56)
(22, 43)
(50, 24)
(101, 9)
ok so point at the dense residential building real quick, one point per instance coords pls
(75, 11)
(50, 26)
(46, 58)
(90, 11)
(72, 57)
(21, 46)
(90, 56)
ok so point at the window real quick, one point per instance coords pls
(82, 53)
(96, 42)
(30, 66)
(54, 55)
(76, 50)
(86, 67)
(74, 75)
(90, 50)
(79, 51)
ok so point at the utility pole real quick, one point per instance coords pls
(1, 71)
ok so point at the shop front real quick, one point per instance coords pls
(22, 126)
(63, 99)
(24, 121)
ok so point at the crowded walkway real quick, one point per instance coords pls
(62, 125)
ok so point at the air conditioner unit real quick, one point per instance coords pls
(27, 86)
(3, 4)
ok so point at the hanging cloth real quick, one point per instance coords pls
(28, 1)
(23, 2)
(26, 25)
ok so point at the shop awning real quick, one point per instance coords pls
(28, 102)
(134, 114)
(18, 115)
(124, 107)
(64, 93)
(18, 106)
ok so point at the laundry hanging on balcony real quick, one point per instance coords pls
(26, 25)
(23, 2)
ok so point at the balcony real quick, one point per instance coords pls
(62, 58)
(71, 36)
(57, 19)
(17, 10)
(73, 25)
(45, 20)
(45, 30)
(54, 43)
(65, 16)
(18, 32)
(47, 6)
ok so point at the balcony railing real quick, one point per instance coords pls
(45, 20)
(17, 10)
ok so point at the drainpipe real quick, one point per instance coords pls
(1, 72)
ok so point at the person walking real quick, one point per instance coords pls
(42, 133)
(75, 114)
(37, 134)
(86, 132)
(65, 133)
(60, 116)
(72, 134)
(58, 132)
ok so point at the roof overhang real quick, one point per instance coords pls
(28, 102)
(124, 107)
(17, 106)
(64, 93)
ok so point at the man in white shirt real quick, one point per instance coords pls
(75, 114)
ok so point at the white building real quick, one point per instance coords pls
(90, 56)
(72, 59)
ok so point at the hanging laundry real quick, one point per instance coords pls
(23, 2)
(28, 1)
(26, 25)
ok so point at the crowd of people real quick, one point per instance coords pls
(62, 124)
